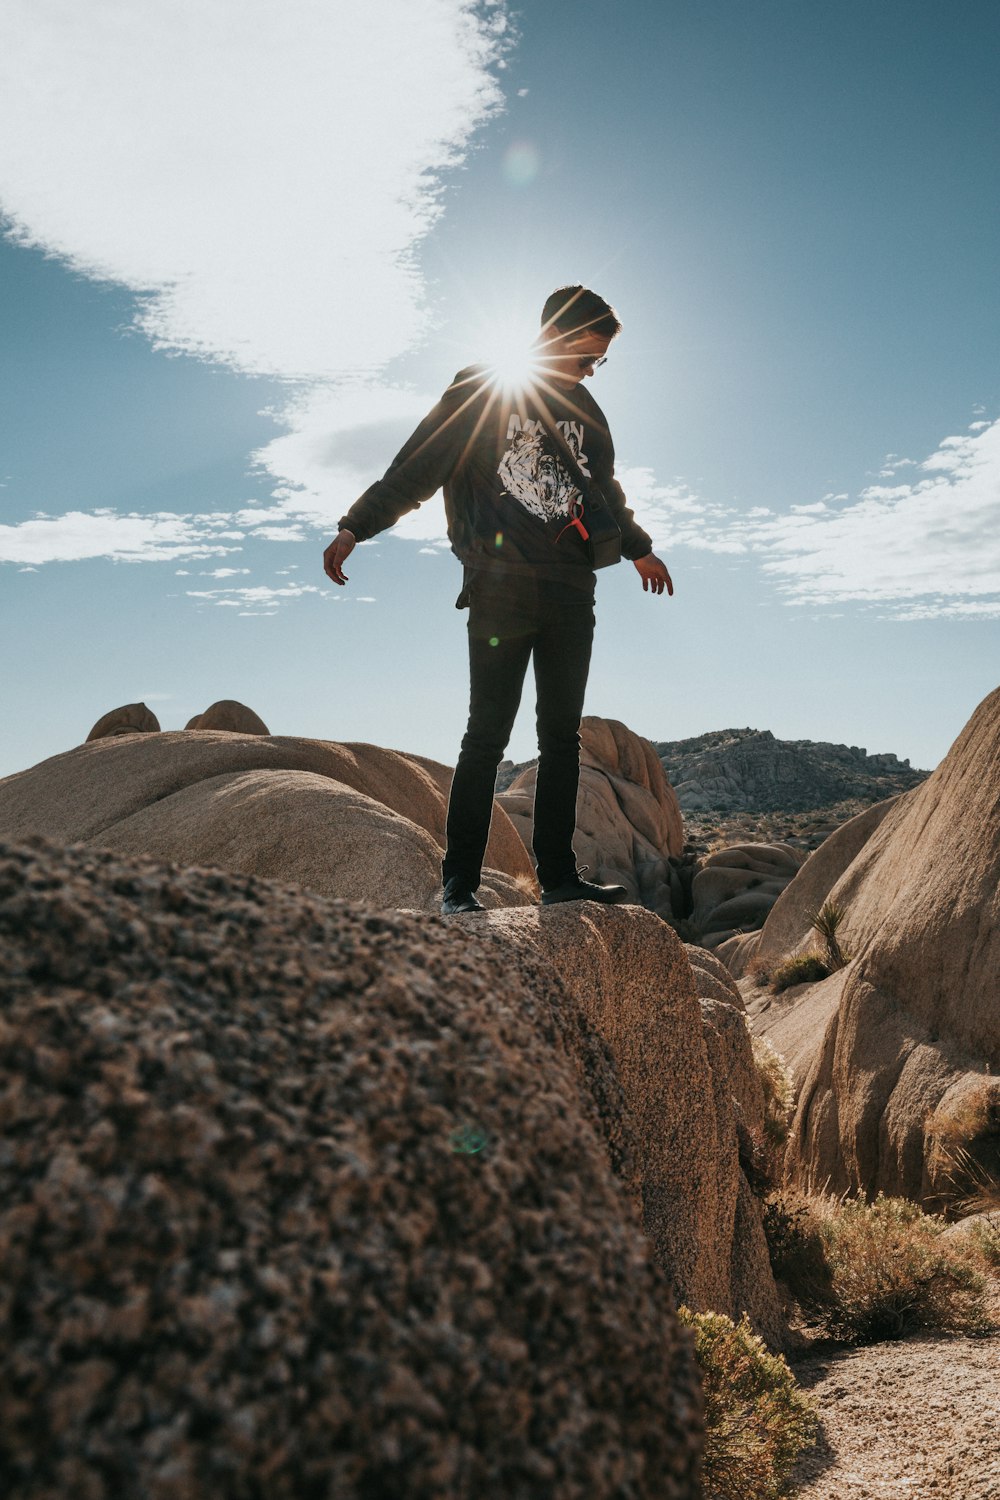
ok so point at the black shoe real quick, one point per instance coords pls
(458, 897)
(576, 889)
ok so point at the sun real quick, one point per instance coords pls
(512, 356)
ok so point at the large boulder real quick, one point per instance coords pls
(736, 888)
(347, 820)
(229, 715)
(788, 928)
(913, 1044)
(629, 826)
(130, 718)
(298, 1199)
(691, 1093)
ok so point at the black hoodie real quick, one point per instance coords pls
(507, 493)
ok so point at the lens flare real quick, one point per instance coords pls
(521, 163)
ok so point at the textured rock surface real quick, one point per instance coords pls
(231, 716)
(712, 979)
(736, 888)
(629, 974)
(300, 1200)
(131, 718)
(748, 770)
(794, 1021)
(788, 928)
(348, 820)
(628, 822)
(917, 1028)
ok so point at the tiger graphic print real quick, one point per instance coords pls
(533, 476)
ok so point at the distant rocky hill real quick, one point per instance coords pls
(749, 770)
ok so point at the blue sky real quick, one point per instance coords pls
(249, 245)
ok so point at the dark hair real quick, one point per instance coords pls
(576, 309)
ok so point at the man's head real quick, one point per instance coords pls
(577, 329)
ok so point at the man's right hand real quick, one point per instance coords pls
(337, 554)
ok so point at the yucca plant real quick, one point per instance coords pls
(825, 923)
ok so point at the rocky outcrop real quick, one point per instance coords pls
(789, 928)
(303, 1200)
(230, 716)
(736, 888)
(629, 828)
(131, 718)
(346, 820)
(713, 980)
(748, 770)
(913, 1042)
(679, 1072)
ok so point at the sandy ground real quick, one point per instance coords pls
(916, 1418)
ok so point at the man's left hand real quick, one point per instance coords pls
(654, 574)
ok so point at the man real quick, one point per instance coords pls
(510, 496)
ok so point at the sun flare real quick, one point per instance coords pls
(513, 358)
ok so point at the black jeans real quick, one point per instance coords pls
(512, 619)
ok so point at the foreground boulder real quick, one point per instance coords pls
(299, 1199)
(346, 820)
(629, 827)
(901, 1082)
(691, 1098)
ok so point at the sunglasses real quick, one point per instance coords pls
(589, 361)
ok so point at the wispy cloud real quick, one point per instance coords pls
(79, 535)
(676, 517)
(257, 598)
(261, 176)
(926, 548)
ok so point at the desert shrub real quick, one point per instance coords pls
(757, 1420)
(984, 1237)
(797, 1250)
(964, 1149)
(891, 1273)
(825, 923)
(804, 968)
(777, 1088)
(759, 970)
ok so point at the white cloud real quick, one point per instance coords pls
(674, 517)
(258, 596)
(927, 549)
(79, 535)
(223, 572)
(259, 173)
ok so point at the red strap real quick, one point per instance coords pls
(579, 526)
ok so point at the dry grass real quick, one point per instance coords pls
(804, 968)
(757, 1420)
(529, 885)
(776, 1085)
(878, 1270)
(759, 969)
(963, 1158)
(985, 1237)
